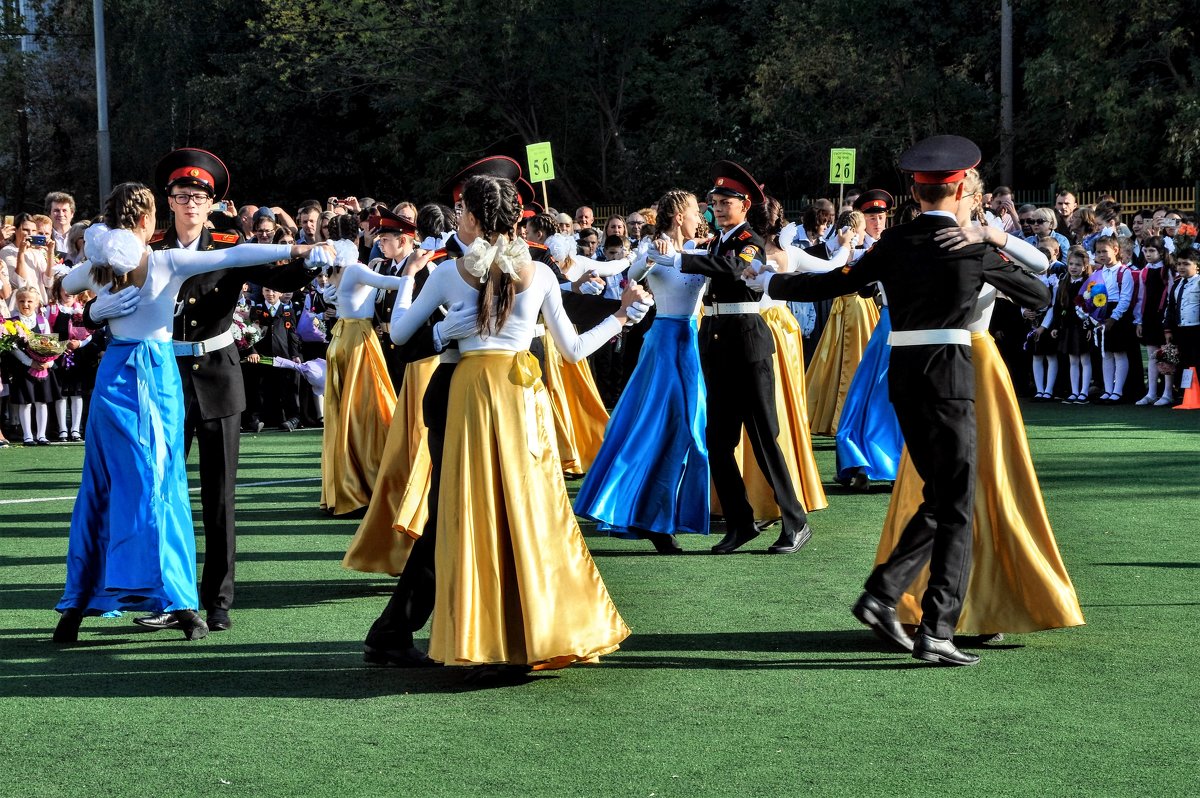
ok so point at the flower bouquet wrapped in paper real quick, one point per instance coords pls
(1168, 359)
(43, 350)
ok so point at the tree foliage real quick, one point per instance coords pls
(387, 97)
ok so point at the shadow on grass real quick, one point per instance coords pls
(1152, 564)
(126, 662)
(250, 595)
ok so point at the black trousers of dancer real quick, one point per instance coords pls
(742, 393)
(218, 441)
(411, 603)
(940, 436)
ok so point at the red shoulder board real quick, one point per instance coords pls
(535, 245)
(438, 254)
(1004, 257)
(158, 236)
(226, 238)
(742, 236)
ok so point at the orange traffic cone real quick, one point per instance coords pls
(1191, 395)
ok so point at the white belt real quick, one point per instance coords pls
(198, 348)
(929, 337)
(732, 309)
(539, 330)
(449, 356)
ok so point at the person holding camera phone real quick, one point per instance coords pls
(29, 257)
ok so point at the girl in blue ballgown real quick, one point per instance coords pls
(650, 477)
(132, 545)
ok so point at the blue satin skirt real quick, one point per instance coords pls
(132, 545)
(651, 472)
(868, 435)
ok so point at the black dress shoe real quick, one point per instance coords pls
(411, 657)
(67, 630)
(860, 482)
(219, 621)
(663, 543)
(158, 621)
(193, 626)
(733, 541)
(791, 540)
(941, 652)
(882, 620)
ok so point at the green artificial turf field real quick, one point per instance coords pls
(745, 675)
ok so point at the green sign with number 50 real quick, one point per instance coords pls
(541, 162)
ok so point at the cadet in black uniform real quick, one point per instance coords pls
(735, 350)
(213, 392)
(931, 293)
(278, 388)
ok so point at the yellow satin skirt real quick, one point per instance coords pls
(516, 583)
(359, 402)
(851, 320)
(579, 413)
(399, 504)
(1018, 581)
(791, 407)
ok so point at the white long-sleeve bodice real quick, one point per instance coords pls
(675, 293)
(446, 286)
(356, 291)
(166, 271)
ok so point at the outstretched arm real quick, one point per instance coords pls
(1020, 286)
(188, 263)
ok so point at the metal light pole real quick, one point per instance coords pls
(1006, 93)
(103, 154)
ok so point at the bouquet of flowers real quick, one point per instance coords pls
(43, 351)
(245, 332)
(13, 335)
(1184, 238)
(1168, 359)
(319, 326)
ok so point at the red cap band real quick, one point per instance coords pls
(193, 173)
(939, 178)
(733, 185)
(872, 205)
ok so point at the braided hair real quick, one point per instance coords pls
(494, 203)
(433, 220)
(671, 203)
(344, 226)
(125, 206)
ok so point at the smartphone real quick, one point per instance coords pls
(222, 207)
(38, 241)
(9, 221)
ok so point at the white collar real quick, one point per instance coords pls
(946, 214)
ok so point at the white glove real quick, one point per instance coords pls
(759, 281)
(461, 321)
(656, 257)
(591, 288)
(319, 258)
(636, 312)
(113, 306)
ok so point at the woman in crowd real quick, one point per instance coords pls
(516, 586)
(132, 545)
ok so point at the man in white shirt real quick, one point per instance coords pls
(60, 207)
